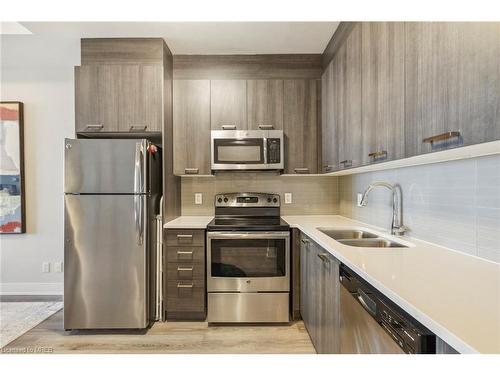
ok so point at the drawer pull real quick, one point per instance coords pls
(301, 170)
(180, 254)
(94, 126)
(346, 163)
(327, 168)
(379, 155)
(184, 236)
(138, 128)
(228, 127)
(304, 240)
(185, 269)
(441, 137)
(191, 170)
(266, 127)
(180, 285)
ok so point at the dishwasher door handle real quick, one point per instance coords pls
(361, 298)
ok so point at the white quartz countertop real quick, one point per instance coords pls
(455, 295)
(189, 222)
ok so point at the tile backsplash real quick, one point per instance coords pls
(310, 194)
(454, 204)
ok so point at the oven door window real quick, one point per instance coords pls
(239, 151)
(248, 257)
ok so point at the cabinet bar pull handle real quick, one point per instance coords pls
(266, 127)
(191, 170)
(185, 269)
(346, 163)
(301, 170)
(138, 128)
(304, 240)
(94, 126)
(441, 137)
(324, 258)
(180, 285)
(328, 168)
(184, 236)
(381, 155)
(228, 127)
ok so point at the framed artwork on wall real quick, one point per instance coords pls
(12, 202)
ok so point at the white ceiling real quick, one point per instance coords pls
(203, 37)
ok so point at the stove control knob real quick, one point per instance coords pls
(219, 200)
(275, 200)
(225, 199)
(269, 200)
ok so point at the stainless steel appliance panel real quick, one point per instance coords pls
(109, 166)
(248, 308)
(359, 332)
(248, 283)
(105, 262)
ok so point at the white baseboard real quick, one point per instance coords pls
(31, 289)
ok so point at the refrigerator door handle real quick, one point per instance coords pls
(138, 217)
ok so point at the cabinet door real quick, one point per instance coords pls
(191, 127)
(141, 98)
(308, 292)
(328, 304)
(347, 99)
(300, 125)
(96, 98)
(228, 104)
(452, 84)
(329, 138)
(265, 104)
(383, 91)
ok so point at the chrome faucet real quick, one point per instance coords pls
(397, 227)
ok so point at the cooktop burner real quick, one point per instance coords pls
(247, 212)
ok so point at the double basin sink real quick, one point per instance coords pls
(358, 238)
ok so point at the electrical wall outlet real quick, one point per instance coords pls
(288, 198)
(358, 199)
(58, 266)
(45, 267)
(198, 198)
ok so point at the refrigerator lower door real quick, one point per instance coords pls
(105, 262)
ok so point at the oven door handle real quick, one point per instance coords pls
(243, 235)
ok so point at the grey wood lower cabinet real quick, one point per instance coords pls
(320, 298)
(185, 283)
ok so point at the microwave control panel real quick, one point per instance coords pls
(273, 150)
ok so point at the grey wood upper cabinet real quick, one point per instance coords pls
(96, 98)
(141, 107)
(383, 93)
(347, 100)
(265, 104)
(320, 298)
(452, 84)
(329, 138)
(191, 127)
(118, 98)
(228, 103)
(300, 114)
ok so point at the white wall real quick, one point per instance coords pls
(39, 72)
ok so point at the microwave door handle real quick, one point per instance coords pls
(265, 150)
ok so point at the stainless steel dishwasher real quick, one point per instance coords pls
(370, 323)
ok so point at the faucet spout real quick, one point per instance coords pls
(397, 227)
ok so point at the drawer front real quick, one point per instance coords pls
(185, 237)
(177, 271)
(185, 254)
(186, 296)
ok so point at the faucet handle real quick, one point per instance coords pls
(400, 231)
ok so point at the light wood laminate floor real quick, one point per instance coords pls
(168, 337)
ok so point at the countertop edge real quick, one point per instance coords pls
(188, 222)
(435, 327)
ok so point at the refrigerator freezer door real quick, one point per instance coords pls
(105, 166)
(105, 267)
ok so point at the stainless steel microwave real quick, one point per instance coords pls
(251, 150)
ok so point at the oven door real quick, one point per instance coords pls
(248, 261)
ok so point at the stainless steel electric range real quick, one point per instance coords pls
(248, 260)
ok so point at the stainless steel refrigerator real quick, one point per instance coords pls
(112, 191)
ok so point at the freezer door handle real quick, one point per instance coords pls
(139, 168)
